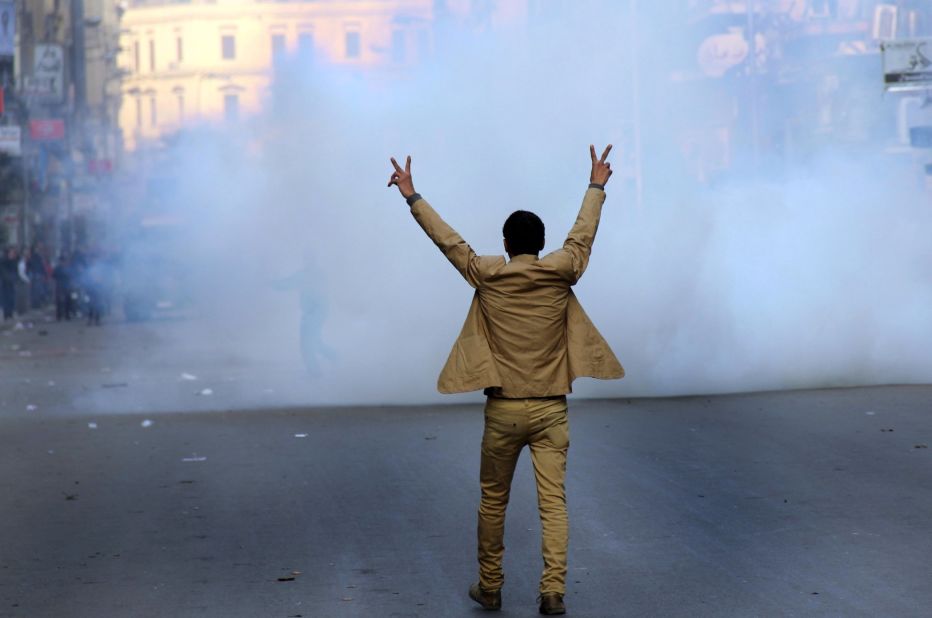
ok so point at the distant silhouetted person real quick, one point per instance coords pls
(8, 277)
(313, 315)
(39, 274)
(94, 285)
(525, 340)
(62, 276)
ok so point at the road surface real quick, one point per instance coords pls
(809, 503)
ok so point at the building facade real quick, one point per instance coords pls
(213, 62)
(790, 78)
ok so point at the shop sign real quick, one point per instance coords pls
(47, 130)
(11, 140)
(907, 64)
(47, 82)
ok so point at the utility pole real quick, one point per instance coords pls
(75, 135)
(24, 206)
(23, 115)
(78, 60)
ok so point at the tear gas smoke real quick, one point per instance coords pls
(802, 274)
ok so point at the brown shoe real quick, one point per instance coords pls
(551, 604)
(488, 599)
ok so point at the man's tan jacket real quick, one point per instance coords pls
(526, 335)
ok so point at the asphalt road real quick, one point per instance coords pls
(812, 503)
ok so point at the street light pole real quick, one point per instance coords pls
(76, 132)
(78, 60)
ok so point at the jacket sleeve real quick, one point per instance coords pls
(573, 258)
(460, 254)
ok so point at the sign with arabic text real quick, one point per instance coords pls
(47, 82)
(907, 64)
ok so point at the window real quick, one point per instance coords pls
(179, 49)
(398, 46)
(231, 107)
(151, 55)
(352, 45)
(153, 116)
(306, 46)
(136, 63)
(228, 46)
(278, 48)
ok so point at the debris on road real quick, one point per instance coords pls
(92, 425)
(146, 424)
(32, 408)
(194, 457)
(300, 435)
(207, 392)
(189, 377)
(921, 446)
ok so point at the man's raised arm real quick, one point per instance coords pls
(460, 254)
(578, 243)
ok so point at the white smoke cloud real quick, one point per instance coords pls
(815, 275)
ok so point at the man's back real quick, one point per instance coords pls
(524, 305)
(526, 334)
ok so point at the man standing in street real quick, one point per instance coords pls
(525, 339)
(8, 277)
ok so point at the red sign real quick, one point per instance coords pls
(47, 130)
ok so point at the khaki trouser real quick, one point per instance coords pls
(509, 425)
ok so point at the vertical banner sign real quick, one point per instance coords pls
(48, 74)
(907, 64)
(7, 27)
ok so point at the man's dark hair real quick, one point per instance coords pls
(524, 232)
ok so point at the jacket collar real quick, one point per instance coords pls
(525, 258)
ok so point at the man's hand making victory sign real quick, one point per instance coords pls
(402, 178)
(601, 169)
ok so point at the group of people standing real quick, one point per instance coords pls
(78, 283)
